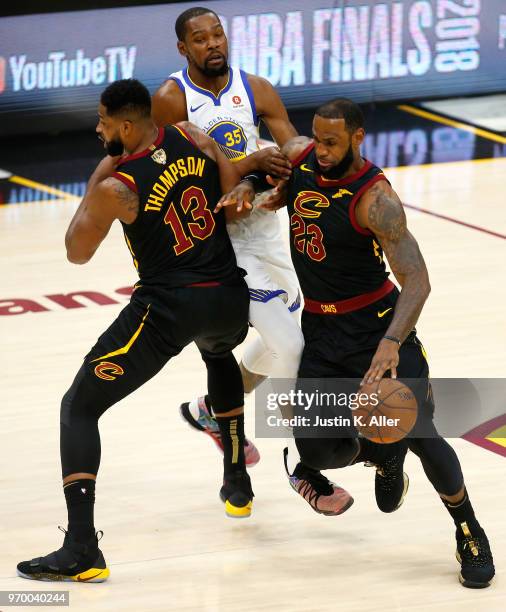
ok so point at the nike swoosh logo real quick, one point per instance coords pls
(79, 579)
(305, 168)
(194, 110)
(382, 314)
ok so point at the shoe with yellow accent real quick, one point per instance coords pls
(475, 557)
(73, 562)
(237, 494)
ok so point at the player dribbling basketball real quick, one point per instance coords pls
(344, 218)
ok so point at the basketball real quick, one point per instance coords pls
(390, 414)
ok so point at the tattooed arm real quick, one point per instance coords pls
(380, 210)
(106, 199)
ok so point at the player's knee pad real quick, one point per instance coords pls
(224, 382)
(71, 403)
(81, 408)
(328, 453)
(82, 400)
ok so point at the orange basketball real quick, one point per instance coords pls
(390, 414)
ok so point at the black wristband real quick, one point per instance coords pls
(392, 339)
(248, 179)
(258, 180)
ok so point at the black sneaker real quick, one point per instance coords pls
(73, 562)
(391, 482)
(237, 494)
(475, 557)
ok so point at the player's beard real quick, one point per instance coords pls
(215, 72)
(114, 147)
(337, 171)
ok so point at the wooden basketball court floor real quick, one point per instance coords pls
(167, 541)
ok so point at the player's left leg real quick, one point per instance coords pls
(126, 355)
(319, 362)
(276, 318)
(226, 327)
(331, 351)
(391, 482)
(225, 389)
(442, 467)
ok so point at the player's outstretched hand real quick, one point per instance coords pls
(272, 161)
(385, 358)
(241, 196)
(273, 199)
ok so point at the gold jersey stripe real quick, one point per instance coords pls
(129, 245)
(127, 176)
(124, 349)
(183, 134)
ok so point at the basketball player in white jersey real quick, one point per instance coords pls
(228, 104)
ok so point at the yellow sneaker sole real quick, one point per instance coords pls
(238, 512)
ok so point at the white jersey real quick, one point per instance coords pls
(230, 118)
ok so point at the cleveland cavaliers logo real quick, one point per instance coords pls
(312, 198)
(159, 157)
(108, 371)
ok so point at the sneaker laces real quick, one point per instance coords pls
(313, 480)
(475, 552)
(68, 556)
(383, 470)
(388, 472)
(475, 549)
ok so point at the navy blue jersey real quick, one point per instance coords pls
(176, 239)
(333, 256)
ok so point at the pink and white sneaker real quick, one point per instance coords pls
(206, 422)
(322, 495)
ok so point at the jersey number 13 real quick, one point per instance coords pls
(193, 201)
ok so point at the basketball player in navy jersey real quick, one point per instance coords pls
(164, 192)
(228, 104)
(345, 218)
